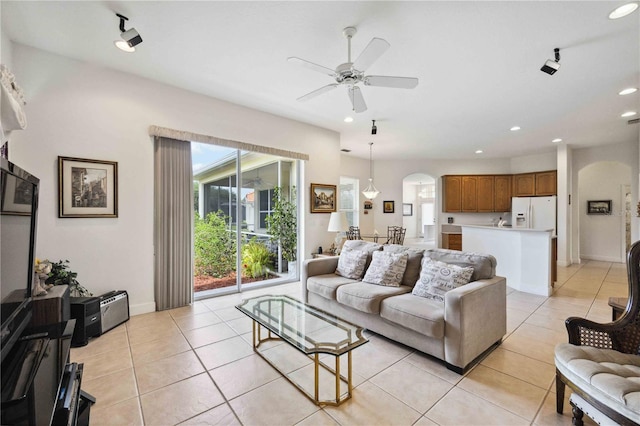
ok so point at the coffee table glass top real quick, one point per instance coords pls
(309, 329)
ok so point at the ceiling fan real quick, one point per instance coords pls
(352, 73)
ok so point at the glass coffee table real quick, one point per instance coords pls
(311, 331)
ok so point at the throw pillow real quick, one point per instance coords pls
(437, 278)
(351, 263)
(386, 269)
(412, 273)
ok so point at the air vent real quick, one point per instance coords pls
(634, 121)
(345, 150)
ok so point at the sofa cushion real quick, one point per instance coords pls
(326, 285)
(351, 263)
(367, 297)
(484, 265)
(437, 278)
(386, 269)
(362, 245)
(423, 315)
(611, 377)
(412, 272)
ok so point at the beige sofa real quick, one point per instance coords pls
(471, 321)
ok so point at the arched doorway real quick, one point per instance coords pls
(419, 209)
(604, 236)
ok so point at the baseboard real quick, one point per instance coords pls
(564, 263)
(142, 308)
(602, 258)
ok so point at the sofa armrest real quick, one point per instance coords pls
(313, 267)
(475, 318)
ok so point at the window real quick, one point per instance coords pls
(266, 206)
(349, 199)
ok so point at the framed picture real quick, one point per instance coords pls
(389, 206)
(18, 196)
(407, 209)
(87, 188)
(323, 198)
(599, 207)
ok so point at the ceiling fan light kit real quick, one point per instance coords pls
(351, 73)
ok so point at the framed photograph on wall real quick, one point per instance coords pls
(599, 207)
(87, 188)
(407, 209)
(323, 198)
(389, 206)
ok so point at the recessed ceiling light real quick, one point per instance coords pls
(623, 10)
(557, 140)
(348, 119)
(629, 114)
(515, 128)
(628, 91)
(479, 151)
(124, 46)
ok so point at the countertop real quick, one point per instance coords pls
(507, 228)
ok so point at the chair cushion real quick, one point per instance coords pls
(437, 278)
(423, 315)
(611, 377)
(412, 272)
(367, 297)
(351, 263)
(386, 269)
(326, 285)
(484, 265)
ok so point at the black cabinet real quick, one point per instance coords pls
(33, 378)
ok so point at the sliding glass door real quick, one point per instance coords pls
(234, 248)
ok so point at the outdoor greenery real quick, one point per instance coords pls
(257, 260)
(282, 225)
(215, 246)
(62, 274)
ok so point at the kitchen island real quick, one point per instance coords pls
(524, 255)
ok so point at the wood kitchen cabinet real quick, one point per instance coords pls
(485, 194)
(452, 241)
(524, 185)
(469, 194)
(502, 193)
(452, 190)
(546, 183)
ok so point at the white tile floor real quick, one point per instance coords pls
(195, 365)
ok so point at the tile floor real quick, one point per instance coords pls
(195, 365)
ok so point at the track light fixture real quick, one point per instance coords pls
(130, 37)
(551, 66)
(374, 129)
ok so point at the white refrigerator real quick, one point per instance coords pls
(534, 212)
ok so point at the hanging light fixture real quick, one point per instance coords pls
(370, 192)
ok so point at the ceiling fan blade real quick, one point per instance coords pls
(357, 101)
(317, 92)
(371, 53)
(387, 81)
(312, 66)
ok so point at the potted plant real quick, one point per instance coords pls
(282, 225)
(62, 274)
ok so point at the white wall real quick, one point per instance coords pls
(602, 236)
(79, 110)
(534, 163)
(615, 155)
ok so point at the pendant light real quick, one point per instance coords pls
(370, 192)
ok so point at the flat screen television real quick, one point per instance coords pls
(18, 220)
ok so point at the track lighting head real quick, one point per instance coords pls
(551, 66)
(130, 37)
(374, 129)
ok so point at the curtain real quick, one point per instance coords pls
(173, 223)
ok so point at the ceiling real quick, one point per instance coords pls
(478, 63)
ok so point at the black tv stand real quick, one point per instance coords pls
(39, 384)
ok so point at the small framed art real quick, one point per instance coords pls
(323, 198)
(388, 206)
(407, 209)
(599, 207)
(87, 188)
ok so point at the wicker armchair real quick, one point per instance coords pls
(622, 336)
